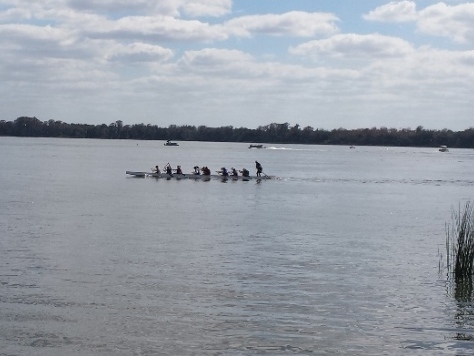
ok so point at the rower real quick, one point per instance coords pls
(178, 170)
(234, 172)
(224, 172)
(259, 168)
(206, 171)
(245, 172)
(157, 170)
(169, 170)
(196, 170)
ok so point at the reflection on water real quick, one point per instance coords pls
(462, 289)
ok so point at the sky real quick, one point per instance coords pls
(244, 63)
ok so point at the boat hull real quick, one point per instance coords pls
(194, 176)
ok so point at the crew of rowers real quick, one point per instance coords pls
(205, 171)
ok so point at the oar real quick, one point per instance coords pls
(168, 164)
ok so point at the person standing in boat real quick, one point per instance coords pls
(245, 172)
(259, 168)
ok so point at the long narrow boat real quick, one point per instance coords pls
(195, 176)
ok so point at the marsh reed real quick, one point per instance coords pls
(460, 243)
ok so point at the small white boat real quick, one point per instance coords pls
(195, 176)
(443, 149)
(169, 143)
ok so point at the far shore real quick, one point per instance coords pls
(273, 133)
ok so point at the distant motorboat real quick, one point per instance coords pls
(169, 143)
(443, 149)
(256, 146)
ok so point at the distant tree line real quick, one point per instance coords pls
(272, 133)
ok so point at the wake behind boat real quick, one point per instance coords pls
(195, 176)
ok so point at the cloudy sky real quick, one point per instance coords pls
(326, 63)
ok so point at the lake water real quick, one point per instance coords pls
(339, 255)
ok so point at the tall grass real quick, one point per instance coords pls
(460, 243)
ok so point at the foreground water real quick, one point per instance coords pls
(340, 255)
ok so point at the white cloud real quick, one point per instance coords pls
(160, 28)
(113, 6)
(243, 67)
(77, 11)
(452, 21)
(36, 42)
(207, 7)
(211, 57)
(193, 8)
(139, 52)
(455, 22)
(295, 23)
(30, 32)
(353, 46)
(396, 11)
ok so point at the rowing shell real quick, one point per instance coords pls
(193, 176)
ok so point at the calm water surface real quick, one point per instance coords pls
(340, 255)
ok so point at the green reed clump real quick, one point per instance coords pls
(460, 243)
